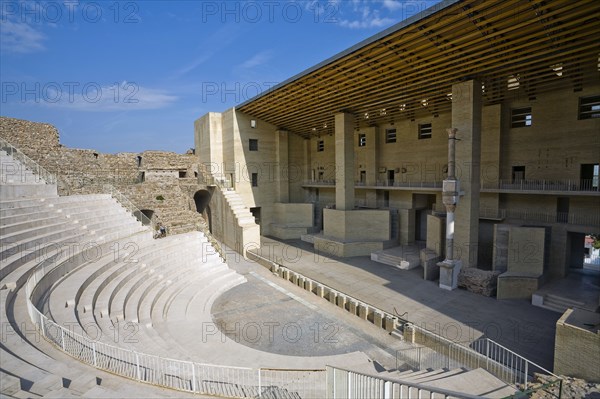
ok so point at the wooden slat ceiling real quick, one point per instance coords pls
(409, 72)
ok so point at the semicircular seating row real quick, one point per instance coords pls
(116, 272)
(105, 277)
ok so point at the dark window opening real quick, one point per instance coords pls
(425, 131)
(589, 107)
(390, 135)
(254, 178)
(520, 117)
(182, 174)
(320, 146)
(253, 145)
(362, 139)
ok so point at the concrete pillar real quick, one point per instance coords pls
(344, 161)
(407, 226)
(308, 285)
(283, 185)
(378, 319)
(389, 324)
(363, 311)
(353, 307)
(331, 296)
(320, 291)
(466, 118)
(341, 301)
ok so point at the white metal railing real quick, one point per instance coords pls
(27, 162)
(325, 182)
(484, 353)
(208, 379)
(347, 384)
(587, 219)
(542, 185)
(409, 184)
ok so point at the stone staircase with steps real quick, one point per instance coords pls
(406, 257)
(20, 181)
(474, 382)
(555, 303)
(240, 210)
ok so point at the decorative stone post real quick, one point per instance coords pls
(449, 267)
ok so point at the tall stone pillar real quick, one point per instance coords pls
(344, 161)
(466, 118)
(282, 181)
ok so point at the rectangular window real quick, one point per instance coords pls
(520, 117)
(390, 135)
(320, 146)
(362, 139)
(253, 145)
(424, 131)
(589, 107)
(254, 179)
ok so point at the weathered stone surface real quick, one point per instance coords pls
(571, 388)
(478, 281)
(87, 171)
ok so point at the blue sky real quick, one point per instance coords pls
(134, 75)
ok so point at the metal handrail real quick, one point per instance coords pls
(587, 219)
(29, 163)
(495, 358)
(128, 205)
(381, 383)
(188, 376)
(541, 184)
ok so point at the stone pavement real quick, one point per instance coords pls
(457, 315)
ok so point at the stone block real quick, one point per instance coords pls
(483, 282)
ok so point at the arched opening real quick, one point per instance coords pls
(148, 213)
(202, 199)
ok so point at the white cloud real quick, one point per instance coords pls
(367, 17)
(392, 5)
(256, 60)
(127, 96)
(20, 37)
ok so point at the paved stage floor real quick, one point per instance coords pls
(458, 315)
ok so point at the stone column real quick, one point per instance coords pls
(466, 118)
(283, 186)
(344, 161)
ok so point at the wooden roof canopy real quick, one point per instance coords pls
(516, 48)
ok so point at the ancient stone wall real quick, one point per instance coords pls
(87, 171)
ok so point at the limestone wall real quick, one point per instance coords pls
(357, 225)
(577, 345)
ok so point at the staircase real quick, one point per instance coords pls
(20, 179)
(406, 257)
(556, 303)
(473, 382)
(236, 204)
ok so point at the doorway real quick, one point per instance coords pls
(422, 203)
(562, 210)
(390, 177)
(589, 177)
(518, 174)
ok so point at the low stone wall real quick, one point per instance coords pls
(376, 316)
(577, 345)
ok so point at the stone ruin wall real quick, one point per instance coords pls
(86, 171)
